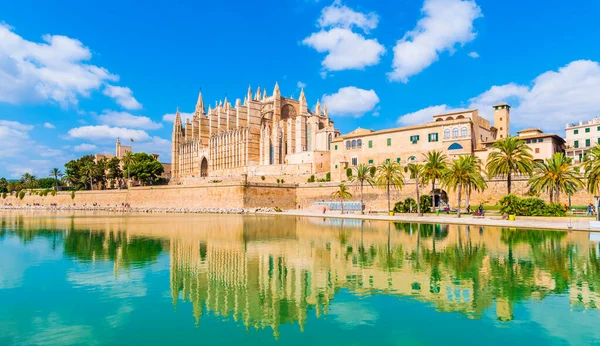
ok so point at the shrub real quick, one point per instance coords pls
(282, 181)
(262, 177)
(425, 203)
(73, 194)
(328, 176)
(278, 181)
(3, 195)
(404, 207)
(53, 193)
(277, 209)
(555, 209)
(532, 207)
(22, 194)
(311, 179)
(511, 204)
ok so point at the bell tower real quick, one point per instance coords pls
(502, 120)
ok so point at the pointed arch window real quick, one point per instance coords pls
(308, 137)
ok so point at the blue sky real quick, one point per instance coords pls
(75, 76)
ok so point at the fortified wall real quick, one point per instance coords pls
(237, 194)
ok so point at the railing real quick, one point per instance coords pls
(348, 206)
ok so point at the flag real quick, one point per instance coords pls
(131, 139)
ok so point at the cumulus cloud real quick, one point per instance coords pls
(170, 118)
(345, 48)
(15, 125)
(351, 101)
(553, 99)
(85, 147)
(123, 96)
(124, 119)
(49, 126)
(444, 25)
(301, 85)
(104, 133)
(55, 69)
(424, 115)
(473, 55)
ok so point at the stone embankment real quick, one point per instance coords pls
(143, 209)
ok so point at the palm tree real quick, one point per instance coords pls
(454, 177)
(88, 171)
(555, 175)
(342, 194)
(416, 172)
(362, 174)
(55, 173)
(127, 161)
(435, 163)
(591, 167)
(512, 156)
(391, 175)
(29, 180)
(474, 180)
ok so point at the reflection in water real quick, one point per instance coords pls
(264, 272)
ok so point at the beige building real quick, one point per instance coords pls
(455, 134)
(543, 145)
(581, 137)
(261, 135)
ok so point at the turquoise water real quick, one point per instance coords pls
(199, 279)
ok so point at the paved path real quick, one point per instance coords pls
(558, 223)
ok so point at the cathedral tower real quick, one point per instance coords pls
(502, 120)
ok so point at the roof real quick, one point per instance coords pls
(501, 104)
(540, 135)
(531, 129)
(457, 112)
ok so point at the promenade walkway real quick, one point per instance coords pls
(555, 223)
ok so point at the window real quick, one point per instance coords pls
(528, 141)
(412, 158)
(540, 140)
(537, 150)
(575, 132)
(598, 128)
(587, 143)
(335, 166)
(370, 144)
(370, 162)
(414, 139)
(576, 144)
(335, 147)
(433, 137)
(389, 142)
(348, 144)
(353, 143)
(387, 161)
(598, 140)
(446, 133)
(454, 132)
(354, 161)
(359, 143)
(455, 146)
(329, 139)
(587, 130)
(463, 132)
(500, 118)
(397, 160)
(580, 157)
(308, 137)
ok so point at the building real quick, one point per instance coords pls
(581, 137)
(455, 134)
(261, 135)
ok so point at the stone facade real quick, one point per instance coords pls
(261, 134)
(581, 137)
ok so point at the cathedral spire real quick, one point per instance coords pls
(177, 122)
(302, 96)
(257, 97)
(238, 102)
(276, 91)
(318, 110)
(200, 105)
(249, 96)
(325, 112)
(265, 94)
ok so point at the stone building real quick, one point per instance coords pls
(261, 135)
(543, 145)
(581, 137)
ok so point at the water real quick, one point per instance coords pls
(199, 279)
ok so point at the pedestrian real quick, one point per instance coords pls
(468, 209)
(480, 209)
(324, 209)
(589, 210)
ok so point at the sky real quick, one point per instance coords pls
(76, 75)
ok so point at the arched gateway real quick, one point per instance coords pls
(204, 167)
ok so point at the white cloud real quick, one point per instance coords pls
(351, 101)
(345, 49)
(553, 99)
(124, 119)
(156, 145)
(473, 55)
(49, 126)
(15, 125)
(445, 23)
(424, 115)
(170, 118)
(54, 69)
(104, 133)
(85, 147)
(343, 16)
(301, 85)
(123, 96)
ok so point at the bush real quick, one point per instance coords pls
(262, 177)
(22, 194)
(277, 209)
(511, 204)
(282, 181)
(311, 179)
(404, 207)
(73, 194)
(425, 203)
(328, 176)
(53, 193)
(3, 195)
(278, 181)
(349, 172)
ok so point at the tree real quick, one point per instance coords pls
(435, 163)
(88, 172)
(415, 171)
(127, 161)
(29, 181)
(474, 180)
(144, 168)
(555, 175)
(592, 170)
(389, 175)
(46, 183)
(3, 185)
(460, 174)
(362, 175)
(55, 173)
(74, 171)
(342, 193)
(509, 156)
(115, 173)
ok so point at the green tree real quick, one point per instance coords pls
(415, 171)
(389, 175)
(342, 194)
(45, 183)
(144, 168)
(74, 171)
(88, 172)
(56, 173)
(435, 163)
(509, 156)
(555, 175)
(114, 171)
(3, 185)
(474, 180)
(592, 170)
(454, 177)
(127, 160)
(362, 175)
(29, 181)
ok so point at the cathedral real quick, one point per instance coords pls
(261, 135)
